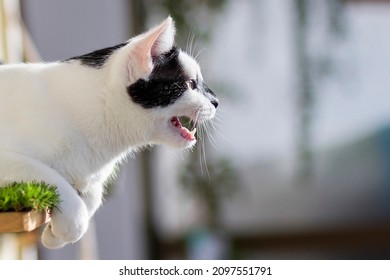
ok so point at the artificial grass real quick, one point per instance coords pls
(26, 196)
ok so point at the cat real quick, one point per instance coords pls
(68, 123)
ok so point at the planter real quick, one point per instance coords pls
(22, 221)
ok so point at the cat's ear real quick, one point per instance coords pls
(153, 43)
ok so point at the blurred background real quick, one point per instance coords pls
(296, 164)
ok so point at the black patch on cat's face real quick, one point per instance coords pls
(96, 59)
(165, 85)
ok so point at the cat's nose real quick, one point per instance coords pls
(215, 103)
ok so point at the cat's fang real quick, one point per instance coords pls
(188, 135)
(193, 132)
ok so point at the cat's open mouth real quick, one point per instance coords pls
(185, 127)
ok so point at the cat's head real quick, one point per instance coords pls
(165, 84)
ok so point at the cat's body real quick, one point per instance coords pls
(68, 123)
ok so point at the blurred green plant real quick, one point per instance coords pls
(187, 12)
(223, 183)
(219, 179)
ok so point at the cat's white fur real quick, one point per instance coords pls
(68, 125)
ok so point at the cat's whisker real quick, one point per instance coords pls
(196, 45)
(219, 118)
(199, 53)
(210, 135)
(219, 132)
(217, 123)
(192, 44)
(221, 112)
(200, 136)
(205, 159)
(202, 152)
(189, 47)
(200, 159)
(188, 39)
(199, 150)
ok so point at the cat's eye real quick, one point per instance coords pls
(192, 84)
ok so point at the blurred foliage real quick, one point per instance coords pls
(187, 15)
(312, 66)
(336, 17)
(222, 183)
(223, 179)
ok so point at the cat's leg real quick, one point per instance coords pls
(70, 221)
(93, 198)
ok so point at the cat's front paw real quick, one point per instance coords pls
(65, 227)
(49, 240)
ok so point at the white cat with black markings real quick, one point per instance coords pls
(68, 123)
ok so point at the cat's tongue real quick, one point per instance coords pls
(184, 132)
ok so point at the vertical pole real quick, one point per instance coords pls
(3, 33)
(139, 16)
(305, 96)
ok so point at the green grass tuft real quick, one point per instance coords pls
(26, 196)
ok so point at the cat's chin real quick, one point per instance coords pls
(184, 145)
(177, 143)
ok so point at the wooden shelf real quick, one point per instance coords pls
(22, 221)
